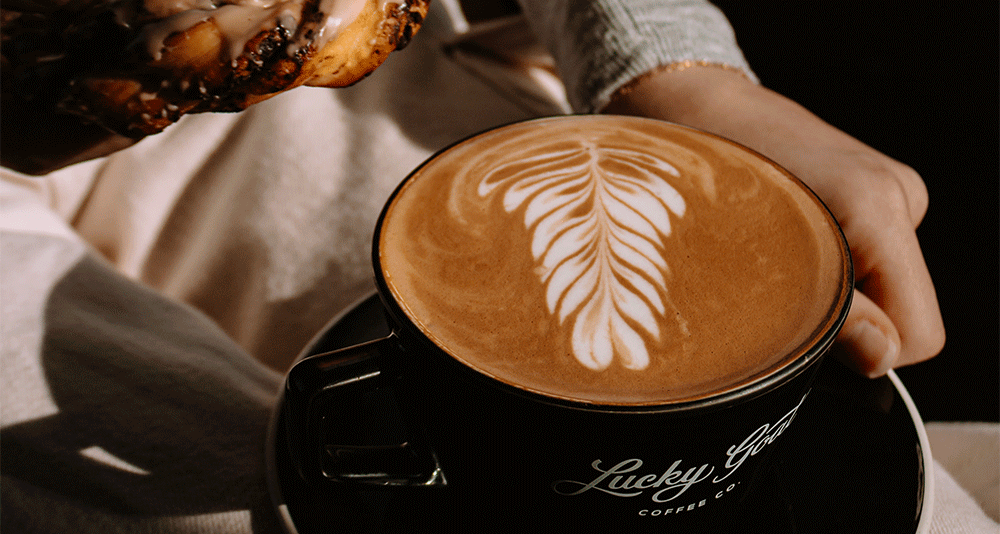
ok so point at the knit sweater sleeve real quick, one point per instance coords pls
(601, 45)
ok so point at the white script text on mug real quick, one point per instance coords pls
(624, 480)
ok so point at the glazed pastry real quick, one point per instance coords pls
(104, 74)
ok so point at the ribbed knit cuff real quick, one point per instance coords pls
(601, 45)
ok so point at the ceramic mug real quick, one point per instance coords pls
(597, 322)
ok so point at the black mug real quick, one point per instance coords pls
(437, 443)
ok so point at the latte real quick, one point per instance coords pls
(612, 260)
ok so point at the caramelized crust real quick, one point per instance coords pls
(96, 76)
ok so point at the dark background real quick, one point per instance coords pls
(920, 85)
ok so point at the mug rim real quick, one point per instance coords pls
(802, 357)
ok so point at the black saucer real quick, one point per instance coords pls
(856, 460)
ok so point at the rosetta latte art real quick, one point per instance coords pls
(598, 217)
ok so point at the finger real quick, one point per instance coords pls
(895, 279)
(869, 342)
(916, 193)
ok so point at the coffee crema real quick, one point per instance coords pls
(612, 260)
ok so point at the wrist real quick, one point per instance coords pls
(687, 92)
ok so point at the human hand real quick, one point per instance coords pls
(879, 202)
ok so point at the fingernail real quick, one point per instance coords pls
(869, 340)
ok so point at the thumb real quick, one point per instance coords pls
(869, 342)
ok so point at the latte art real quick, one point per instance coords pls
(597, 217)
(611, 259)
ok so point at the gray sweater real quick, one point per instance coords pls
(601, 45)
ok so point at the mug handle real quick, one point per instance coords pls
(329, 399)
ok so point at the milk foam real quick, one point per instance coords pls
(611, 260)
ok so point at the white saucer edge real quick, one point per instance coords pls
(927, 504)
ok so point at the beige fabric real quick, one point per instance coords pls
(968, 458)
(262, 219)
